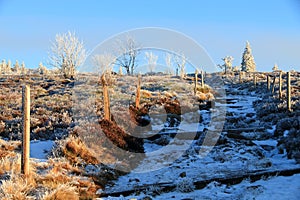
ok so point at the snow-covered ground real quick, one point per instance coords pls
(40, 149)
(283, 188)
(181, 164)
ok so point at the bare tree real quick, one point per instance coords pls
(42, 69)
(227, 66)
(5, 68)
(23, 70)
(152, 60)
(67, 53)
(180, 61)
(126, 53)
(104, 63)
(169, 63)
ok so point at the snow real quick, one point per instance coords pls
(164, 164)
(39, 149)
(269, 142)
(284, 188)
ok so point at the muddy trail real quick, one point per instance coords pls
(246, 148)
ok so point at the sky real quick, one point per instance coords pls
(221, 27)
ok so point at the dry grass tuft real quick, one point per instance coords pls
(62, 192)
(76, 151)
(9, 163)
(146, 94)
(205, 89)
(7, 148)
(17, 188)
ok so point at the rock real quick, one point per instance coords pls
(297, 157)
(182, 174)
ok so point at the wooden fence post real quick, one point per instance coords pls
(196, 81)
(288, 91)
(106, 102)
(268, 83)
(202, 78)
(254, 80)
(25, 168)
(273, 84)
(138, 92)
(280, 85)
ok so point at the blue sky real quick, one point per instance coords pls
(222, 27)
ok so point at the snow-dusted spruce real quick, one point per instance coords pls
(67, 53)
(248, 63)
(275, 68)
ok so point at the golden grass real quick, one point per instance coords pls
(62, 192)
(17, 188)
(9, 163)
(205, 89)
(146, 94)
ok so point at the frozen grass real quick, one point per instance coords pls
(17, 188)
(62, 192)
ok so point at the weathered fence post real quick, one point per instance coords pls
(106, 102)
(25, 168)
(273, 84)
(138, 92)
(288, 91)
(202, 78)
(280, 85)
(196, 81)
(268, 83)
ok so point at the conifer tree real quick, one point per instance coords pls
(248, 63)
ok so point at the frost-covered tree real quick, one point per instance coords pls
(42, 69)
(180, 61)
(3, 67)
(127, 51)
(104, 63)
(248, 64)
(152, 60)
(16, 67)
(275, 68)
(227, 66)
(23, 68)
(169, 63)
(67, 53)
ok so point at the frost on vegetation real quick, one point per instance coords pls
(163, 140)
(16, 188)
(185, 185)
(62, 192)
(153, 190)
(248, 63)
